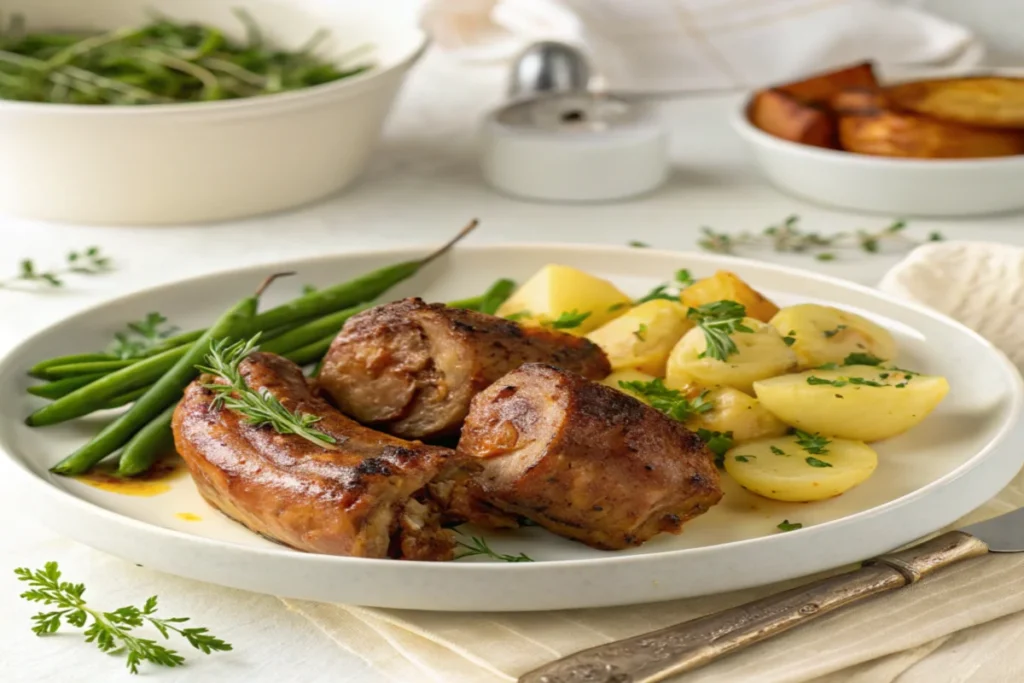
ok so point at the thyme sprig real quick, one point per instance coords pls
(259, 408)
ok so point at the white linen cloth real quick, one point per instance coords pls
(973, 611)
(684, 45)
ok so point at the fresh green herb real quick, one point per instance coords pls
(864, 382)
(111, 631)
(88, 262)
(141, 336)
(638, 244)
(901, 385)
(786, 525)
(744, 458)
(862, 359)
(617, 307)
(164, 61)
(818, 381)
(717, 442)
(828, 366)
(568, 321)
(815, 444)
(883, 375)
(718, 320)
(788, 340)
(778, 451)
(814, 462)
(259, 408)
(668, 401)
(831, 333)
(478, 546)
(935, 236)
(520, 315)
(669, 291)
(641, 332)
(789, 237)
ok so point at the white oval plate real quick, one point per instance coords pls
(957, 459)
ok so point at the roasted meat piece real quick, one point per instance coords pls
(411, 368)
(365, 496)
(583, 460)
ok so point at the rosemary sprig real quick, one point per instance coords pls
(141, 336)
(718, 320)
(110, 631)
(671, 402)
(478, 546)
(789, 237)
(259, 408)
(90, 261)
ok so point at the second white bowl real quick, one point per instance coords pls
(207, 161)
(899, 187)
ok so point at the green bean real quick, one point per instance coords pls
(311, 353)
(40, 367)
(62, 387)
(146, 447)
(329, 325)
(496, 295)
(88, 368)
(165, 393)
(124, 399)
(95, 395)
(311, 306)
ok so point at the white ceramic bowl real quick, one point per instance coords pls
(899, 187)
(210, 161)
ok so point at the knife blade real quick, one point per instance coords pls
(655, 656)
(1002, 534)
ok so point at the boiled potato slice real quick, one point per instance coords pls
(854, 402)
(613, 380)
(726, 286)
(824, 334)
(556, 290)
(760, 354)
(738, 413)
(643, 337)
(781, 469)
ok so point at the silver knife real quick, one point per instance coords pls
(657, 655)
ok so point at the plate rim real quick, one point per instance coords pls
(1015, 401)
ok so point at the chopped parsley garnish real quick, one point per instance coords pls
(831, 333)
(814, 462)
(812, 443)
(659, 292)
(637, 244)
(684, 278)
(789, 340)
(617, 307)
(825, 256)
(717, 442)
(641, 332)
(521, 315)
(843, 381)
(669, 401)
(568, 321)
(718, 320)
(862, 359)
(786, 525)
(778, 451)
(744, 458)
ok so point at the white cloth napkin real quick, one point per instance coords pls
(965, 624)
(682, 45)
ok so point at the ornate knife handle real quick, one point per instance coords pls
(657, 655)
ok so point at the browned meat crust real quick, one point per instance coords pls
(411, 368)
(364, 497)
(585, 461)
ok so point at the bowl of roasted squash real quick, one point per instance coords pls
(932, 147)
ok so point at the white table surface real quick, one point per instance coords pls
(423, 185)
